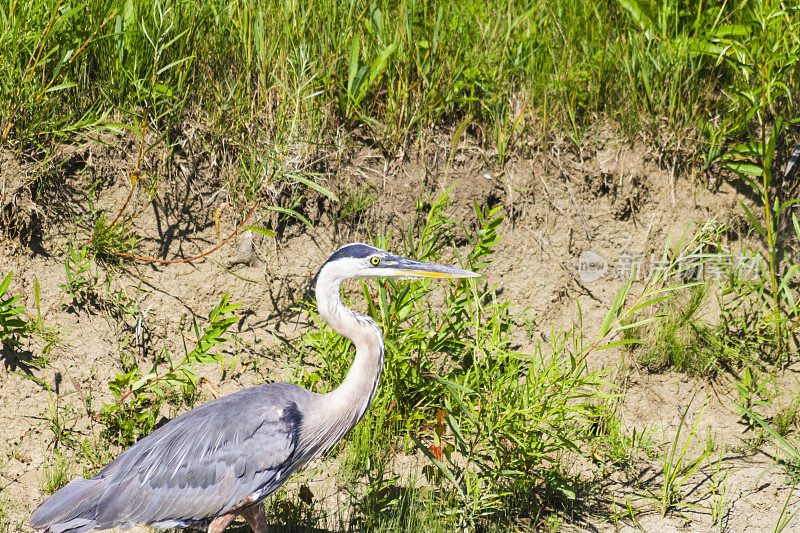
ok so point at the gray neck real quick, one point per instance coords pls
(340, 410)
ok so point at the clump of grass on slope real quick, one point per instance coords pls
(681, 339)
(108, 240)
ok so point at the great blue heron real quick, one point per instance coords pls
(224, 457)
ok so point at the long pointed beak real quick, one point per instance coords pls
(410, 268)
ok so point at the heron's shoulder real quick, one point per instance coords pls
(267, 394)
(277, 394)
(284, 401)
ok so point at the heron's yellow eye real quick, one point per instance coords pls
(374, 260)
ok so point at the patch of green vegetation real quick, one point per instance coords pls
(680, 339)
(91, 288)
(109, 241)
(752, 388)
(718, 495)
(788, 417)
(141, 393)
(388, 70)
(81, 281)
(622, 448)
(5, 520)
(14, 325)
(676, 466)
(692, 333)
(354, 204)
(396, 503)
(55, 472)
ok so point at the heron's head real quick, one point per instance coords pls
(362, 260)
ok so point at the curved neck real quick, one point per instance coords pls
(343, 407)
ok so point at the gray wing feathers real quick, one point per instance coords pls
(73, 501)
(202, 464)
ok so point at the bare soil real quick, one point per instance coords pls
(621, 200)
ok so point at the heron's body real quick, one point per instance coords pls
(224, 457)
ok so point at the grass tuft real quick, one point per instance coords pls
(108, 241)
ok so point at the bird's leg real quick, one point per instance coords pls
(219, 524)
(256, 518)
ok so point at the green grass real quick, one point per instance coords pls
(5, 521)
(681, 339)
(110, 239)
(141, 388)
(391, 69)
(14, 324)
(677, 468)
(355, 204)
(55, 473)
(402, 503)
(718, 495)
(726, 321)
